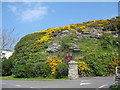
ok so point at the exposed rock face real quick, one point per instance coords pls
(54, 47)
(67, 32)
(63, 33)
(89, 33)
(75, 47)
(94, 33)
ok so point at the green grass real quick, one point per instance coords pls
(115, 87)
(30, 79)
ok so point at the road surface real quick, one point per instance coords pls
(91, 82)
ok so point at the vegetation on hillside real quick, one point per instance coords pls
(97, 57)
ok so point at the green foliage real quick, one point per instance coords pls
(66, 43)
(107, 41)
(113, 64)
(0, 66)
(113, 25)
(23, 49)
(41, 69)
(6, 67)
(61, 70)
(98, 62)
(22, 69)
(115, 87)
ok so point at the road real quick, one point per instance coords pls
(91, 82)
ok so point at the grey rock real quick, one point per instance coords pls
(75, 48)
(65, 31)
(75, 39)
(100, 28)
(54, 47)
(116, 35)
(62, 34)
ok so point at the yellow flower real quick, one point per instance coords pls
(100, 25)
(113, 64)
(53, 73)
(82, 66)
(115, 57)
(53, 62)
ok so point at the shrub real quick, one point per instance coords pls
(23, 69)
(53, 62)
(99, 69)
(41, 69)
(98, 62)
(61, 70)
(82, 68)
(107, 41)
(6, 67)
(113, 64)
(0, 67)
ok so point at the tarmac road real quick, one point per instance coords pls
(91, 82)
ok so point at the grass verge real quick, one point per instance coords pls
(30, 79)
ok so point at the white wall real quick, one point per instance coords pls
(7, 53)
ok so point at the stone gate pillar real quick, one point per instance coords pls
(73, 70)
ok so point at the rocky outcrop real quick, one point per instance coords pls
(63, 33)
(93, 33)
(89, 33)
(75, 47)
(54, 47)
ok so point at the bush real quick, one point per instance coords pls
(98, 62)
(61, 70)
(113, 64)
(107, 41)
(6, 67)
(115, 87)
(41, 69)
(82, 68)
(52, 63)
(23, 69)
(0, 67)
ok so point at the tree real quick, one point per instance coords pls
(9, 39)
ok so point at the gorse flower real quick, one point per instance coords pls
(113, 64)
(82, 67)
(53, 62)
(100, 25)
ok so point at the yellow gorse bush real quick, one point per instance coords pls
(100, 25)
(113, 64)
(48, 35)
(41, 40)
(53, 62)
(82, 27)
(82, 67)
